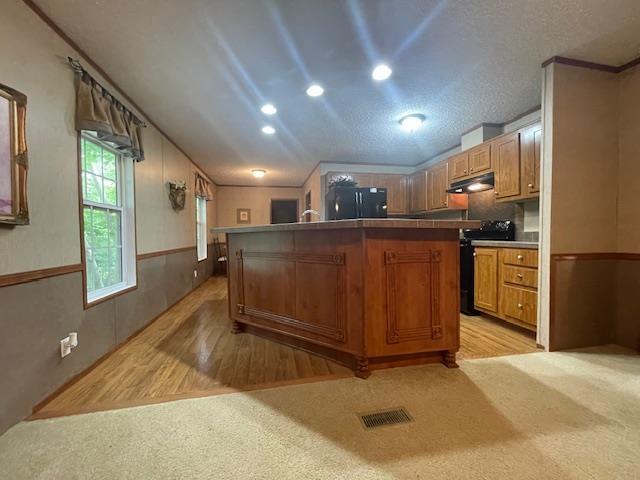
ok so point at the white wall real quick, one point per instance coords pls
(32, 60)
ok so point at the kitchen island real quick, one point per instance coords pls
(367, 293)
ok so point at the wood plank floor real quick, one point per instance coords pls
(189, 351)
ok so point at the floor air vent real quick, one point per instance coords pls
(385, 417)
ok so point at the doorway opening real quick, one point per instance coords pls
(284, 210)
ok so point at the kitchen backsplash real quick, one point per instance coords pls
(483, 206)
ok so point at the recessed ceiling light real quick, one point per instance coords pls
(268, 130)
(413, 122)
(258, 172)
(269, 109)
(381, 72)
(315, 90)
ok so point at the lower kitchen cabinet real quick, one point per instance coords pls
(506, 284)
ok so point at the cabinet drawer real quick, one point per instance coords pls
(520, 257)
(519, 303)
(527, 277)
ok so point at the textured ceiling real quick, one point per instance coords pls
(202, 69)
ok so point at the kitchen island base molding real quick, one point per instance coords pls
(361, 366)
(368, 294)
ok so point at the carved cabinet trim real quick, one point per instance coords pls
(337, 333)
(392, 259)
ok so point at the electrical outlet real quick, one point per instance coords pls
(195, 274)
(65, 347)
(68, 343)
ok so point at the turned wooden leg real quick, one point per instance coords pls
(362, 368)
(449, 360)
(236, 328)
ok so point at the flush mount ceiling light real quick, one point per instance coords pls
(411, 123)
(268, 130)
(315, 90)
(258, 172)
(269, 109)
(381, 72)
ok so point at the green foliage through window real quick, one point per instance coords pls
(102, 216)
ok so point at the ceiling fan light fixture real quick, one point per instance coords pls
(258, 172)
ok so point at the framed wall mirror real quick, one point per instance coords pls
(13, 157)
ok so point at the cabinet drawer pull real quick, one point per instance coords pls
(520, 306)
(495, 193)
(520, 257)
(530, 185)
(475, 254)
(519, 275)
(464, 171)
(471, 169)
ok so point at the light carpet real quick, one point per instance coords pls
(535, 416)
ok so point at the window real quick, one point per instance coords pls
(107, 218)
(201, 227)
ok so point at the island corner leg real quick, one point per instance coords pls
(362, 368)
(237, 327)
(449, 359)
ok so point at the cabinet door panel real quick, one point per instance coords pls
(486, 278)
(519, 303)
(480, 159)
(437, 181)
(418, 192)
(505, 156)
(531, 151)
(396, 191)
(459, 165)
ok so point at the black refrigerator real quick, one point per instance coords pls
(353, 202)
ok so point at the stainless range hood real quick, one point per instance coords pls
(473, 185)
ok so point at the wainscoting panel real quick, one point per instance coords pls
(37, 315)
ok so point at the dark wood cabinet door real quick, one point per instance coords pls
(505, 156)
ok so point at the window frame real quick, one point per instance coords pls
(125, 188)
(201, 228)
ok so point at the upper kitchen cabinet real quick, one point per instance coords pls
(459, 166)
(505, 157)
(418, 192)
(530, 151)
(437, 185)
(396, 185)
(480, 159)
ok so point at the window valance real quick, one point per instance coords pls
(99, 111)
(203, 188)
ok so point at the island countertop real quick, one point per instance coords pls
(353, 223)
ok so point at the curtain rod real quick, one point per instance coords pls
(77, 66)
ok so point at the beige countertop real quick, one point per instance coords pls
(353, 223)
